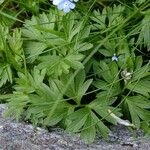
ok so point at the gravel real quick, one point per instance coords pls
(23, 136)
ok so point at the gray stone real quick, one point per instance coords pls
(23, 136)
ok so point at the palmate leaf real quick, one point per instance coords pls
(81, 85)
(81, 47)
(102, 104)
(37, 49)
(92, 126)
(144, 36)
(142, 86)
(29, 82)
(56, 65)
(88, 132)
(87, 120)
(16, 104)
(74, 61)
(29, 31)
(88, 123)
(78, 119)
(41, 35)
(138, 107)
(69, 26)
(37, 99)
(112, 16)
(99, 19)
(109, 77)
(40, 106)
(10, 54)
(141, 72)
(78, 87)
(55, 34)
(55, 42)
(44, 99)
(60, 113)
(140, 79)
(105, 72)
(109, 72)
(115, 15)
(75, 29)
(5, 74)
(102, 129)
(15, 43)
(24, 83)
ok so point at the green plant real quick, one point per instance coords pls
(63, 70)
(11, 54)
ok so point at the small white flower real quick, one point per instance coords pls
(126, 75)
(115, 58)
(65, 5)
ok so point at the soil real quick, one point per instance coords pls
(23, 136)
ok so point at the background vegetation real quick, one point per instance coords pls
(83, 70)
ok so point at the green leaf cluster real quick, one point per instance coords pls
(11, 54)
(61, 71)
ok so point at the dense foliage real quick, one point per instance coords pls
(81, 70)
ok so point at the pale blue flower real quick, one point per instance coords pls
(65, 5)
(56, 2)
(115, 58)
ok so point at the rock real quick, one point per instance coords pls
(23, 136)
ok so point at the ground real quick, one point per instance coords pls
(23, 136)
